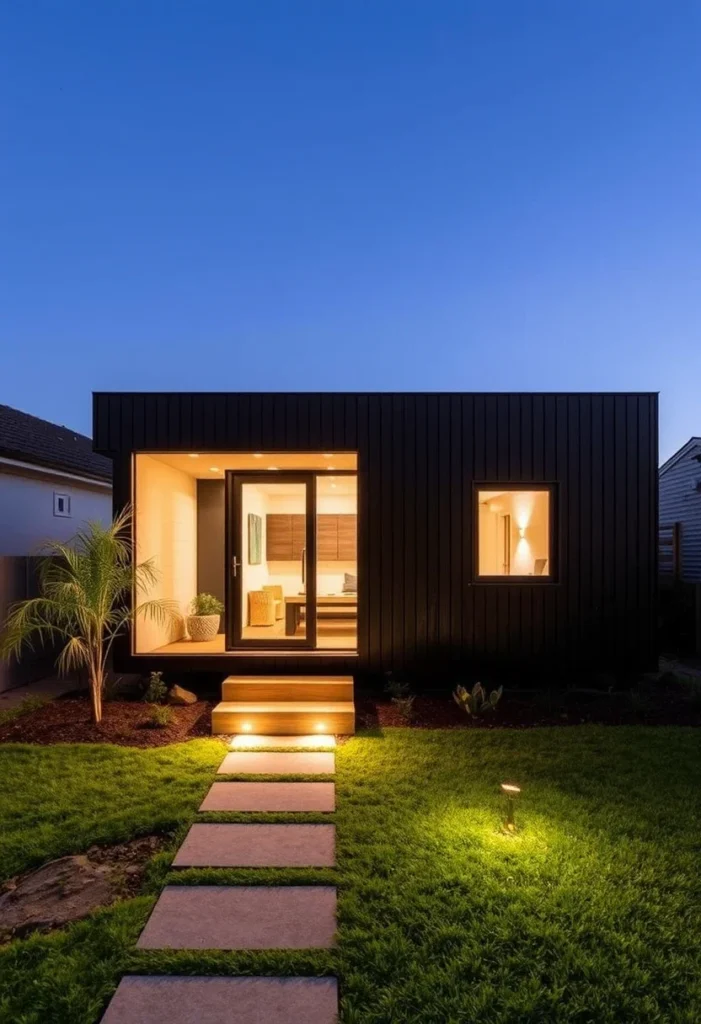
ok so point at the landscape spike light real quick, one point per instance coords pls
(510, 791)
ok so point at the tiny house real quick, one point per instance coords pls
(421, 534)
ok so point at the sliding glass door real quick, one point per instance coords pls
(271, 555)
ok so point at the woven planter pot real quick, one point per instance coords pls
(202, 627)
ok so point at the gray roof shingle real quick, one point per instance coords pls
(29, 439)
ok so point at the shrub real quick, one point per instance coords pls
(405, 706)
(156, 690)
(160, 716)
(206, 604)
(477, 702)
(401, 697)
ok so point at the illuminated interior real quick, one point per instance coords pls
(514, 533)
(180, 523)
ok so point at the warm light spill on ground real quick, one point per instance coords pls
(246, 742)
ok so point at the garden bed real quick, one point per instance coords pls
(125, 723)
(647, 704)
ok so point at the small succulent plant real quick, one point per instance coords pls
(476, 702)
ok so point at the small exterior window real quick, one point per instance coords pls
(62, 504)
(514, 533)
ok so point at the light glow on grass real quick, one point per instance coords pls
(314, 742)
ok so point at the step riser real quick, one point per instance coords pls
(282, 690)
(282, 723)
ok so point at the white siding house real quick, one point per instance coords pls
(51, 483)
(680, 502)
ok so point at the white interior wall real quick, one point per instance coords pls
(528, 509)
(166, 530)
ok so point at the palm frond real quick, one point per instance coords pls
(39, 618)
(76, 654)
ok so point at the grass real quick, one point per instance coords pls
(588, 914)
(24, 707)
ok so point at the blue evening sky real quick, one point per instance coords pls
(223, 195)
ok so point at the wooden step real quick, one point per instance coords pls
(320, 689)
(284, 718)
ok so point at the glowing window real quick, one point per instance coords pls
(513, 532)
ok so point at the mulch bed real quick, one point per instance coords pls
(126, 723)
(527, 710)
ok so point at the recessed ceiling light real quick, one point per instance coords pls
(272, 467)
(328, 455)
(331, 468)
(194, 455)
(214, 469)
(333, 485)
(258, 455)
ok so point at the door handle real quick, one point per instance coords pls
(235, 565)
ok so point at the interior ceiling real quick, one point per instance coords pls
(213, 465)
(333, 485)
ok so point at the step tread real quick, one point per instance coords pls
(310, 707)
(252, 680)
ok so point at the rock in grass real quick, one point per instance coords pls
(59, 892)
(178, 695)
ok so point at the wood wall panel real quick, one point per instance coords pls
(419, 456)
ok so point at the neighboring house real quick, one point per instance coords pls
(422, 534)
(51, 482)
(680, 513)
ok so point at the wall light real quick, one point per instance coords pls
(246, 727)
(194, 455)
(258, 455)
(510, 791)
(522, 531)
(320, 727)
(328, 455)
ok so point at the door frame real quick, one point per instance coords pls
(234, 542)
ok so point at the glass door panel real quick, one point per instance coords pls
(271, 538)
(337, 561)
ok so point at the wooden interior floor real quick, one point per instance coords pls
(330, 637)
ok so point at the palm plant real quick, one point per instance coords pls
(89, 594)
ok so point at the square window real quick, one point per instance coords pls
(514, 532)
(62, 504)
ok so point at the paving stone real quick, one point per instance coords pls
(258, 846)
(177, 1000)
(242, 917)
(245, 742)
(255, 762)
(270, 796)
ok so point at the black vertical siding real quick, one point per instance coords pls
(419, 456)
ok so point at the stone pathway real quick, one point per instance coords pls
(270, 796)
(258, 846)
(231, 917)
(258, 762)
(163, 1000)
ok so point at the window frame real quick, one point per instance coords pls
(66, 498)
(553, 534)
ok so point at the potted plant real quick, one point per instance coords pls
(205, 614)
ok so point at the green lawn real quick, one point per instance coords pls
(590, 913)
